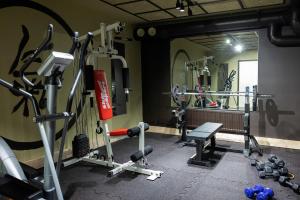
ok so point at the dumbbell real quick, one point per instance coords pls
(251, 192)
(272, 165)
(266, 194)
(285, 181)
(253, 162)
(274, 159)
(269, 172)
(258, 164)
(283, 171)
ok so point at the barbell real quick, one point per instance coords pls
(224, 94)
(177, 94)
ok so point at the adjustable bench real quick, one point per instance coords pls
(200, 135)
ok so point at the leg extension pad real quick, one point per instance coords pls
(139, 154)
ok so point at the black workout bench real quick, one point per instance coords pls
(201, 135)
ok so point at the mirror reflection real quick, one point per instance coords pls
(210, 65)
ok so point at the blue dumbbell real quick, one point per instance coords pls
(265, 195)
(250, 192)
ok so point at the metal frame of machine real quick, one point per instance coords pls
(106, 49)
(138, 167)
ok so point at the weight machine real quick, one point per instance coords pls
(227, 88)
(105, 49)
(138, 162)
(200, 66)
(87, 63)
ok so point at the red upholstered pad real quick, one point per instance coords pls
(119, 132)
(102, 95)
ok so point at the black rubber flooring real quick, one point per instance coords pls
(180, 181)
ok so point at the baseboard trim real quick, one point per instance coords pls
(39, 162)
(274, 142)
(164, 130)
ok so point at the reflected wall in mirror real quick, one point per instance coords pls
(215, 63)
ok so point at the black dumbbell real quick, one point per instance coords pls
(274, 159)
(272, 165)
(285, 181)
(268, 172)
(283, 171)
(258, 164)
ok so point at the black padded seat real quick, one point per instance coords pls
(200, 135)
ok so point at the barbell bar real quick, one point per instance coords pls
(176, 94)
(225, 94)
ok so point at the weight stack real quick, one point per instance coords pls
(80, 145)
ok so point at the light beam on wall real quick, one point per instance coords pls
(238, 48)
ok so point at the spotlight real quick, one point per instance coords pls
(238, 48)
(181, 7)
(178, 4)
(228, 41)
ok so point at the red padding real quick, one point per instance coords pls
(119, 132)
(102, 95)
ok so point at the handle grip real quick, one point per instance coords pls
(52, 117)
(22, 93)
(83, 51)
(75, 43)
(42, 47)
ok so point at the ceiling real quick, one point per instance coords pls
(249, 40)
(153, 10)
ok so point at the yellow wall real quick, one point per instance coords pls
(194, 51)
(82, 16)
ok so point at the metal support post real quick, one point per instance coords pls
(50, 132)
